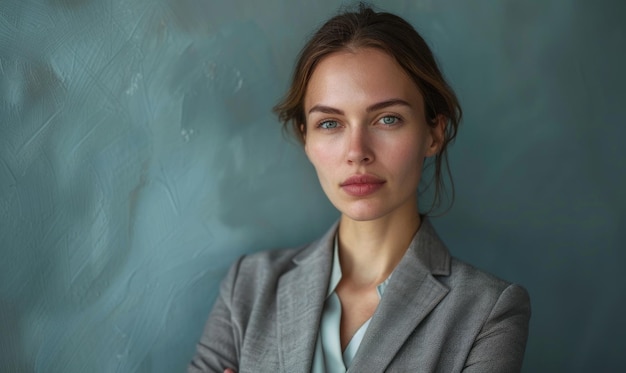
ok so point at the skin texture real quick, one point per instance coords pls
(362, 142)
(365, 116)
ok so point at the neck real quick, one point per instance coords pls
(370, 250)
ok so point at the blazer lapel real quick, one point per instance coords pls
(300, 299)
(410, 296)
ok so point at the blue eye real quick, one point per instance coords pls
(389, 120)
(329, 124)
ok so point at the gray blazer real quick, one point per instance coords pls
(438, 314)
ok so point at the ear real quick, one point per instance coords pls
(437, 135)
(303, 132)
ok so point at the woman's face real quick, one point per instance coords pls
(366, 133)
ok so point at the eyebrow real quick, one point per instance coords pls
(374, 107)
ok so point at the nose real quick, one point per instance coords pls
(359, 149)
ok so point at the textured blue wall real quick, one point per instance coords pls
(139, 157)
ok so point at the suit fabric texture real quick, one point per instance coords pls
(438, 314)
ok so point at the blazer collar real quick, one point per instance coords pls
(412, 293)
(300, 300)
(410, 296)
(426, 247)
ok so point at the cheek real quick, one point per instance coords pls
(320, 156)
(408, 158)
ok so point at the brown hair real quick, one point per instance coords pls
(366, 28)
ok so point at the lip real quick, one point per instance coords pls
(361, 185)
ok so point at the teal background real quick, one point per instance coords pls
(139, 157)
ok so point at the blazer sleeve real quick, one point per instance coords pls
(218, 347)
(500, 345)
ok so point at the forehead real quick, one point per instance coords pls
(364, 75)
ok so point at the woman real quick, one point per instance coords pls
(379, 291)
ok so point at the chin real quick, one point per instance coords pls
(359, 217)
(362, 212)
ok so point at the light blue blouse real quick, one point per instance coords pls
(328, 357)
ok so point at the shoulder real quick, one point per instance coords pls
(463, 274)
(482, 289)
(268, 263)
(465, 283)
(256, 275)
(264, 264)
